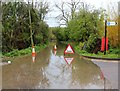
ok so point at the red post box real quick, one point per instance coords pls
(103, 44)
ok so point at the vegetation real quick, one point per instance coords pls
(23, 26)
(86, 28)
(24, 51)
(111, 53)
(18, 19)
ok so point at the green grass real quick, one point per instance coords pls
(111, 53)
(101, 55)
(24, 51)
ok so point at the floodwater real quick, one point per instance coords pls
(53, 70)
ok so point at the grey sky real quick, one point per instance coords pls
(96, 3)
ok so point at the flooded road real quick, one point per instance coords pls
(52, 70)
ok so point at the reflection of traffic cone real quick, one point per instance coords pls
(55, 52)
(33, 53)
(55, 47)
(33, 58)
(9, 62)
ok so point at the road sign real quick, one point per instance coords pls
(69, 50)
(69, 60)
(111, 23)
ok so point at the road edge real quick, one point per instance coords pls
(101, 59)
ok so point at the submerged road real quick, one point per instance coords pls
(53, 70)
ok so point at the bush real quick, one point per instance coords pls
(81, 45)
(60, 34)
(93, 44)
(115, 51)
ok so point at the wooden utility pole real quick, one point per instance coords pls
(31, 32)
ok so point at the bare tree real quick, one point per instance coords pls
(43, 8)
(65, 15)
(72, 7)
(112, 11)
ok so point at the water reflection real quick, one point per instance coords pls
(68, 60)
(55, 52)
(50, 70)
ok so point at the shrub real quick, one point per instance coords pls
(93, 44)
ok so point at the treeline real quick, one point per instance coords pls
(84, 29)
(85, 26)
(17, 20)
(23, 23)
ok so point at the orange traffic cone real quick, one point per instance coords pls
(33, 58)
(33, 53)
(55, 47)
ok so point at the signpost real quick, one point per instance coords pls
(108, 24)
(105, 36)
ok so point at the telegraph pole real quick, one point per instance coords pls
(119, 23)
(31, 32)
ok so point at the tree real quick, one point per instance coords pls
(68, 10)
(15, 23)
(112, 34)
(64, 15)
(18, 19)
(83, 25)
(43, 9)
(85, 28)
(73, 5)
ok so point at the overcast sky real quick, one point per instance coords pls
(54, 22)
(101, 3)
(96, 3)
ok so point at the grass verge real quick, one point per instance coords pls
(111, 53)
(24, 51)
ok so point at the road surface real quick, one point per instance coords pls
(53, 70)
